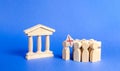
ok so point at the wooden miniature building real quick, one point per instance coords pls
(39, 30)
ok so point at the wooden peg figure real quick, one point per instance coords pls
(77, 51)
(95, 54)
(99, 51)
(91, 41)
(66, 51)
(85, 52)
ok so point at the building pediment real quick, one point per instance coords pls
(39, 30)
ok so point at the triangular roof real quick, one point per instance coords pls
(38, 26)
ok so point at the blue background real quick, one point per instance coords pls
(97, 19)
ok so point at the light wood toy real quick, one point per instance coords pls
(66, 51)
(39, 30)
(83, 50)
(95, 54)
(77, 51)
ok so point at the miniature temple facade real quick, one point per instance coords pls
(39, 31)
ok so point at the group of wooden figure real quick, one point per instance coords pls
(83, 50)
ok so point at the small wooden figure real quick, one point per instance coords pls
(91, 41)
(39, 30)
(85, 52)
(95, 54)
(77, 51)
(66, 51)
(99, 50)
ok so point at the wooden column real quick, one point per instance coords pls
(39, 44)
(30, 44)
(47, 42)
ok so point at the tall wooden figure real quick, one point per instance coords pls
(99, 50)
(85, 52)
(66, 51)
(95, 54)
(77, 51)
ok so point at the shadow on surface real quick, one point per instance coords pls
(22, 53)
(58, 56)
(19, 52)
